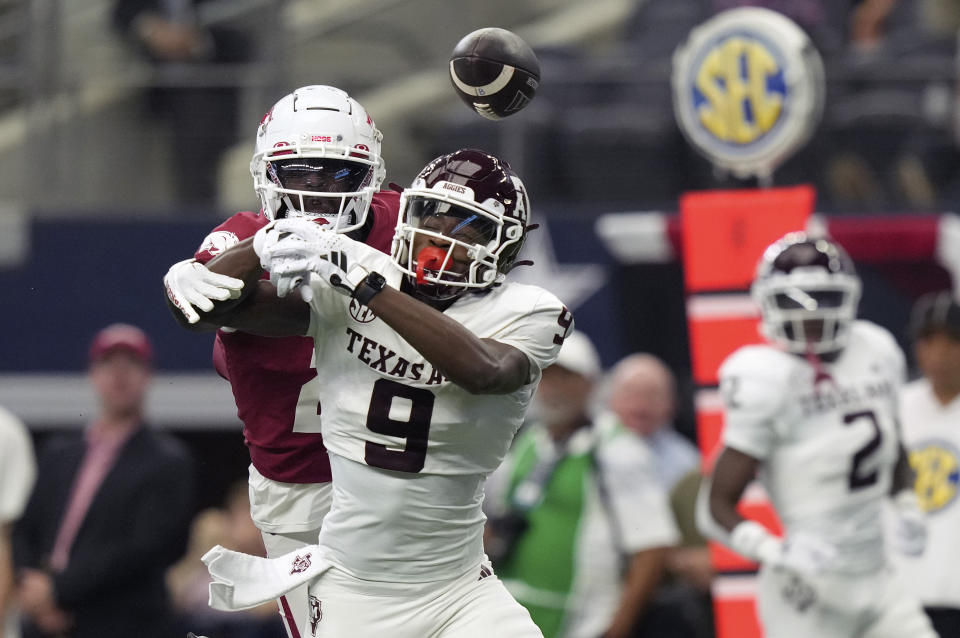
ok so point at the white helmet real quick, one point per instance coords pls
(318, 155)
(808, 291)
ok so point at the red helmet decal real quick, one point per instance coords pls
(267, 116)
(280, 145)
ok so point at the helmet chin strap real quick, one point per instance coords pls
(819, 372)
(342, 218)
(290, 206)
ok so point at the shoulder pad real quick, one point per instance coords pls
(756, 377)
(873, 338)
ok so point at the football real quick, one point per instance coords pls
(495, 72)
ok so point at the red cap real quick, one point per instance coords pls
(121, 336)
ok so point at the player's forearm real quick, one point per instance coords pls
(733, 471)
(903, 474)
(239, 261)
(257, 310)
(480, 366)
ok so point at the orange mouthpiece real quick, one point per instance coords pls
(429, 257)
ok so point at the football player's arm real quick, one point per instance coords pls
(910, 532)
(717, 515)
(903, 475)
(258, 309)
(733, 471)
(751, 401)
(480, 366)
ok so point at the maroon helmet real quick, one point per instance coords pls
(466, 216)
(808, 291)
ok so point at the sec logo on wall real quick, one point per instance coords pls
(748, 90)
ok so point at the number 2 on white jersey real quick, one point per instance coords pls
(858, 478)
(306, 419)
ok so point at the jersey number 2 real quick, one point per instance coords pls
(416, 404)
(858, 478)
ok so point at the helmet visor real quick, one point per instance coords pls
(810, 299)
(450, 220)
(318, 174)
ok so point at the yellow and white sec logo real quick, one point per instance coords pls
(937, 468)
(748, 90)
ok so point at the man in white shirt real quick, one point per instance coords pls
(596, 524)
(643, 395)
(930, 418)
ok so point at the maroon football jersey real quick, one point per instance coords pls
(267, 374)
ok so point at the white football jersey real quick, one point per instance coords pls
(409, 449)
(828, 445)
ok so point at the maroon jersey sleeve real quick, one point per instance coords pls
(230, 232)
(385, 209)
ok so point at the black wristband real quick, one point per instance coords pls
(369, 287)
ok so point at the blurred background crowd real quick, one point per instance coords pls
(127, 130)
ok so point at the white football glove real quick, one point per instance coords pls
(910, 532)
(803, 553)
(800, 553)
(189, 283)
(308, 230)
(294, 249)
(263, 240)
(293, 263)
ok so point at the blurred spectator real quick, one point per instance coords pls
(203, 119)
(642, 392)
(110, 511)
(188, 580)
(18, 471)
(930, 417)
(687, 586)
(579, 524)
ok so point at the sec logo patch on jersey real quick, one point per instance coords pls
(748, 90)
(937, 467)
(361, 313)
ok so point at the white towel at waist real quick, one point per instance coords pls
(242, 581)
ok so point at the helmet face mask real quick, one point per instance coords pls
(318, 156)
(808, 293)
(461, 224)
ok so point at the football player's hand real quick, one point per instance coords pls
(910, 532)
(298, 248)
(263, 240)
(310, 231)
(805, 554)
(294, 271)
(190, 284)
